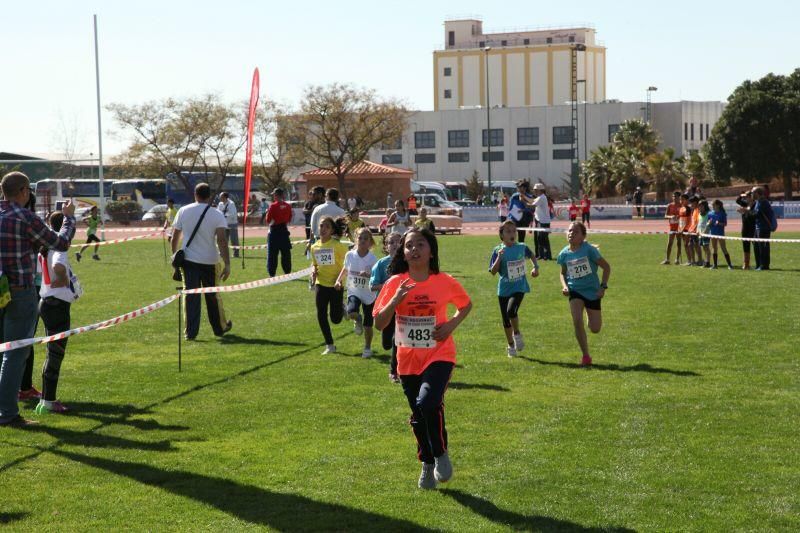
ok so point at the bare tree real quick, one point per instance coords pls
(336, 126)
(68, 139)
(271, 154)
(183, 136)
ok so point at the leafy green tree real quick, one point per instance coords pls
(474, 186)
(758, 135)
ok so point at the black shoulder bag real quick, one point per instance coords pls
(179, 257)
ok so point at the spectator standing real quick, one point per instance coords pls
(519, 210)
(502, 209)
(765, 225)
(207, 232)
(329, 209)
(315, 197)
(278, 217)
(228, 210)
(264, 207)
(542, 214)
(389, 200)
(22, 232)
(412, 204)
(586, 211)
(637, 201)
(745, 202)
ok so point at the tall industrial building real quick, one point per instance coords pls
(515, 69)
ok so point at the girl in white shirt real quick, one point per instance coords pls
(60, 287)
(399, 220)
(356, 273)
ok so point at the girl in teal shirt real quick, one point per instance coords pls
(508, 260)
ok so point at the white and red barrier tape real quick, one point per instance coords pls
(21, 343)
(12, 345)
(127, 230)
(116, 241)
(251, 284)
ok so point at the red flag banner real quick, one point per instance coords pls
(248, 160)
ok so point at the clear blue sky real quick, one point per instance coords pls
(691, 50)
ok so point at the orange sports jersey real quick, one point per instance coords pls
(673, 210)
(695, 220)
(424, 307)
(684, 213)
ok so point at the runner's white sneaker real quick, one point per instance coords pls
(511, 351)
(367, 353)
(443, 470)
(329, 349)
(519, 343)
(426, 477)
(358, 326)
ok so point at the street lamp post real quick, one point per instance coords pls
(648, 115)
(585, 129)
(488, 126)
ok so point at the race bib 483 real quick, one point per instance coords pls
(415, 331)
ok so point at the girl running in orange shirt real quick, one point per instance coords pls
(418, 295)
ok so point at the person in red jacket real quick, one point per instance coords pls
(586, 208)
(278, 217)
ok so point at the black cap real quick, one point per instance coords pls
(278, 191)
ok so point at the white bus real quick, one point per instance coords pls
(147, 193)
(51, 194)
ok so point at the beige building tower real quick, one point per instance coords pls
(516, 69)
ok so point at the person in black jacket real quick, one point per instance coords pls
(745, 201)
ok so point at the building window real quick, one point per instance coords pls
(563, 153)
(503, 43)
(496, 136)
(549, 40)
(496, 156)
(458, 157)
(392, 159)
(612, 130)
(685, 131)
(528, 155)
(526, 41)
(706, 131)
(571, 38)
(394, 144)
(458, 138)
(447, 71)
(424, 139)
(701, 131)
(451, 38)
(424, 158)
(448, 93)
(481, 44)
(691, 131)
(527, 136)
(562, 135)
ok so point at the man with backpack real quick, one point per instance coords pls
(766, 223)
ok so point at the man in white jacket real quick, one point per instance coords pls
(228, 209)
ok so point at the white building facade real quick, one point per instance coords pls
(536, 141)
(516, 69)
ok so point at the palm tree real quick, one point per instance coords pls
(637, 135)
(664, 172)
(597, 172)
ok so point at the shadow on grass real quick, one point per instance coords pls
(236, 339)
(7, 518)
(284, 512)
(479, 386)
(641, 367)
(518, 521)
(95, 440)
(110, 414)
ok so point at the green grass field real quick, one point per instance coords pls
(688, 420)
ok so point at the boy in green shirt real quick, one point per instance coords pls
(91, 234)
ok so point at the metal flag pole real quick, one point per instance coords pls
(99, 133)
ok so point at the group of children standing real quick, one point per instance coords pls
(406, 296)
(698, 227)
